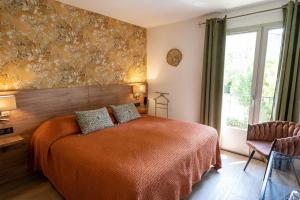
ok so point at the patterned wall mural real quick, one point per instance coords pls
(47, 44)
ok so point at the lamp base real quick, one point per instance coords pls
(4, 116)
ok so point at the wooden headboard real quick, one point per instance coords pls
(36, 106)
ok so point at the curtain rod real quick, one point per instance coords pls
(252, 13)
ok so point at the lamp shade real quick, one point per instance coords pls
(7, 103)
(139, 89)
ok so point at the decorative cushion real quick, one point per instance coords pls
(93, 120)
(125, 112)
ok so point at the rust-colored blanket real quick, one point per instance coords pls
(148, 158)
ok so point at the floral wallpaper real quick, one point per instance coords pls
(47, 44)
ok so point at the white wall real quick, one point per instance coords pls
(184, 82)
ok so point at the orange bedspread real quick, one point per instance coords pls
(148, 158)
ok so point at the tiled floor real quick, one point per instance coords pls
(229, 183)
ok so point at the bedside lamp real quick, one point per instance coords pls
(138, 90)
(7, 103)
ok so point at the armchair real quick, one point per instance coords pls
(283, 137)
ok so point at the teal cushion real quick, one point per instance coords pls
(93, 120)
(125, 112)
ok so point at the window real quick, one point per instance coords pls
(250, 73)
(270, 73)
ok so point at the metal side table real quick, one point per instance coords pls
(282, 177)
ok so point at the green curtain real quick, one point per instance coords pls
(212, 73)
(287, 95)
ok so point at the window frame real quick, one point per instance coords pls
(259, 63)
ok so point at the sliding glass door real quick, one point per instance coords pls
(238, 77)
(251, 64)
(269, 75)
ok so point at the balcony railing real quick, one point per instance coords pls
(236, 109)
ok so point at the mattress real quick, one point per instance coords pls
(147, 158)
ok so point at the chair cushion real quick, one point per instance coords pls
(261, 147)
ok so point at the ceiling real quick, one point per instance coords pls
(150, 13)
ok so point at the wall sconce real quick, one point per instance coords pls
(7, 103)
(138, 91)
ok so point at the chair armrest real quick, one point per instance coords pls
(261, 131)
(289, 145)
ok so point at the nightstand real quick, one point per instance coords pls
(10, 141)
(142, 110)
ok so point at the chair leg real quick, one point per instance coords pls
(250, 157)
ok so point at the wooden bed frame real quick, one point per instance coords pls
(36, 106)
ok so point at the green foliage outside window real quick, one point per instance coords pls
(239, 85)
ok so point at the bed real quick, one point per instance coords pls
(147, 158)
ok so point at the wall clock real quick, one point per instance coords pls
(174, 57)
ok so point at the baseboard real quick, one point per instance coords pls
(256, 157)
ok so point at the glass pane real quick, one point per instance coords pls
(270, 74)
(239, 61)
(281, 177)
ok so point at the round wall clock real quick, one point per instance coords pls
(174, 57)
